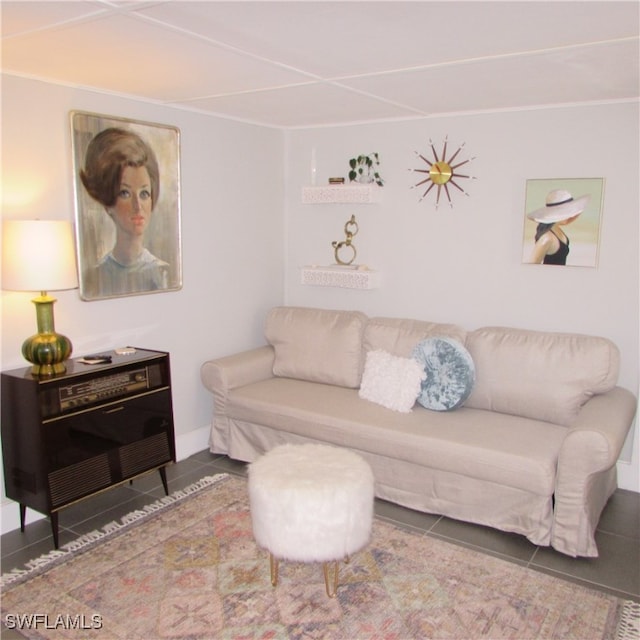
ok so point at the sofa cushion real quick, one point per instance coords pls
(391, 381)
(318, 345)
(399, 336)
(539, 375)
(449, 373)
(505, 450)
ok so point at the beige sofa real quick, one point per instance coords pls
(532, 450)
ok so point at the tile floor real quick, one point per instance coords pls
(615, 571)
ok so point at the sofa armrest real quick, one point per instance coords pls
(230, 372)
(586, 474)
(223, 374)
(594, 442)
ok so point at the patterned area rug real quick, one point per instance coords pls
(187, 568)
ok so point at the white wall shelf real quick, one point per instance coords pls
(344, 276)
(342, 194)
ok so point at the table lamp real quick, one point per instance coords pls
(39, 255)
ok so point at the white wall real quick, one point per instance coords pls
(463, 265)
(242, 256)
(232, 239)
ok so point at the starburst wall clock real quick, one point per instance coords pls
(442, 174)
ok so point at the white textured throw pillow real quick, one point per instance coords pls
(391, 381)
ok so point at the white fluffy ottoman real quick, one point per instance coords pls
(311, 503)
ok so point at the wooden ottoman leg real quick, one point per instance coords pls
(331, 586)
(273, 565)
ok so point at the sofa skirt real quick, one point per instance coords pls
(410, 485)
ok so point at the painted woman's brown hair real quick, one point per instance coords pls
(108, 153)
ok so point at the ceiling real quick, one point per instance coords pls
(305, 64)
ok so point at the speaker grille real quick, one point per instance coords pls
(79, 479)
(145, 454)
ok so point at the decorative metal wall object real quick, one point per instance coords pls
(442, 173)
(350, 230)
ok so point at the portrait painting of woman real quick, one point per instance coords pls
(562, 221)
(127, 183)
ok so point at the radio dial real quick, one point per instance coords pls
(104, 388)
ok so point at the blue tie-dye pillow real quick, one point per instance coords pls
(450, 373)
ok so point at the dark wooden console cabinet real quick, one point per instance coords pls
(69, 436)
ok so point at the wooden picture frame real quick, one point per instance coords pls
(127, 206)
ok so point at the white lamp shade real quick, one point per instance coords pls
(38, 255)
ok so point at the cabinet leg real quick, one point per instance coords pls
(163, 477)
(54, 528)
(23, 515)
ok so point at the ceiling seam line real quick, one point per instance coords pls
(478, 59)
(225, 46)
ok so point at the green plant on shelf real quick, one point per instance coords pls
(364, 169)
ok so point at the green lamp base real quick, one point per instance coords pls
(46, 350)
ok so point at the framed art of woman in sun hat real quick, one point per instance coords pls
(562, 222)
(127, 206)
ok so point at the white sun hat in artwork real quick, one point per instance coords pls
(559, 205)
